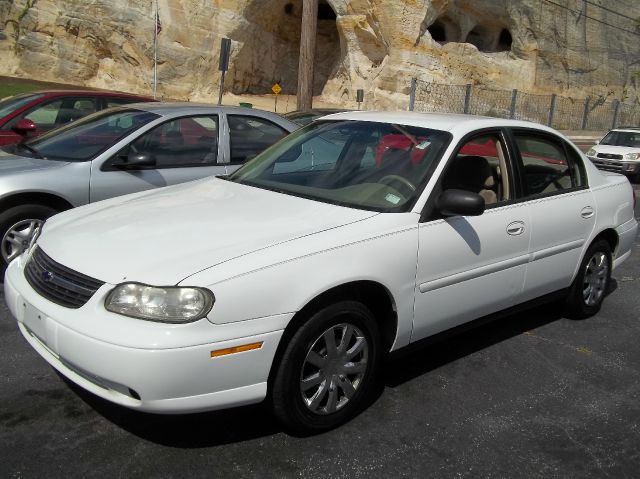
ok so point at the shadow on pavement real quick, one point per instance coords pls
(186, 430)
(431, 356)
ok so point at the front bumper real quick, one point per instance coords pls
(626, 167)
(177, 376)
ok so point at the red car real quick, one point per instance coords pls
(34, 113)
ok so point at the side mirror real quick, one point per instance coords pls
(136, 161)
(460, 203)
(24, 127)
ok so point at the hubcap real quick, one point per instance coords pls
(595, 278)
(17, 238)
(334, 368)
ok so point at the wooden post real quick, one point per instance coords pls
(307, 53)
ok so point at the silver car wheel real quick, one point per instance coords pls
(595, 278)
(18, 237)
(333, 368)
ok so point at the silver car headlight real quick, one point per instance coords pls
(591, 152)
(169, 304)
(631, 156)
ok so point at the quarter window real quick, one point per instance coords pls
(546, 168)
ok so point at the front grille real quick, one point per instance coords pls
(608, 165)
(609, 156)
(58, 283)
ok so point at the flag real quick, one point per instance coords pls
(158, 24)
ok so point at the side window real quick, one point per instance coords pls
(250, 135)
(45, 116)
(480, 166)
(545, 166)
(73, 109)
(183, 142)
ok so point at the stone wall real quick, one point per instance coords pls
(569, 47)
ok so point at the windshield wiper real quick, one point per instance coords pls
(32, 150)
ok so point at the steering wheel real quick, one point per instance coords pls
(397, 179)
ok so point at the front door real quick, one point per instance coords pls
(181, 149)
(472, 266)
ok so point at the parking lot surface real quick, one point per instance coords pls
(531, 395)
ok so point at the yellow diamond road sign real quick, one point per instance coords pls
(276, 89)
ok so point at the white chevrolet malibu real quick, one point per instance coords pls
(293, 277)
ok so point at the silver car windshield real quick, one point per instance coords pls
(361, 164)
(82, 140)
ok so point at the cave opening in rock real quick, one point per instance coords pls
(490, 38)
(438, 32)
(504, 40)
(444, 29)
(270, 47)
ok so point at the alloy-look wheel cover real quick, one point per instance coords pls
(595, 278)
(334, 368)
(17, 238)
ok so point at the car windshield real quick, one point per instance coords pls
(361, 164)
(12, 103)
(622, 138)
(85, 138)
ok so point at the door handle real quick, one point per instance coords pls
(515, 228)
(587, 212)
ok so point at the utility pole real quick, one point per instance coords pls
(307, 53)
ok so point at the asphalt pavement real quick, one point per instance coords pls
(531, 395)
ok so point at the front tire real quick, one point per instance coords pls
(328, 369)
(592, 282)
(17, 226)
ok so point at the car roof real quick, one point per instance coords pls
(627, 128)
(172, 108)
(86, 93)
(438, 121)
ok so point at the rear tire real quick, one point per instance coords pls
(17, 226)
(590, 286)
(328, 369)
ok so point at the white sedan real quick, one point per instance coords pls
(293, 277)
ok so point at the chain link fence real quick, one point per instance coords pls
(562, 113)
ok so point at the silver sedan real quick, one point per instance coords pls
(123, 150)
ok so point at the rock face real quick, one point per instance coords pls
(568, 47)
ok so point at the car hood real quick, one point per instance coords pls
(163, 236)
(11, 163)
(615, 150)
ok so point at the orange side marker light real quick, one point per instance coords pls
(236, 349)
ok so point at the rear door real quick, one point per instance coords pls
(183, 149)
(554, 185)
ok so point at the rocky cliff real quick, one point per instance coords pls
(570, 47)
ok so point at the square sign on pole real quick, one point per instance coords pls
(225, 49)
(276, 89)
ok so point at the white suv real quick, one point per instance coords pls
(618, 151)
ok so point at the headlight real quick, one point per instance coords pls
(632, 156)
(171, 304)
(591, 152)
